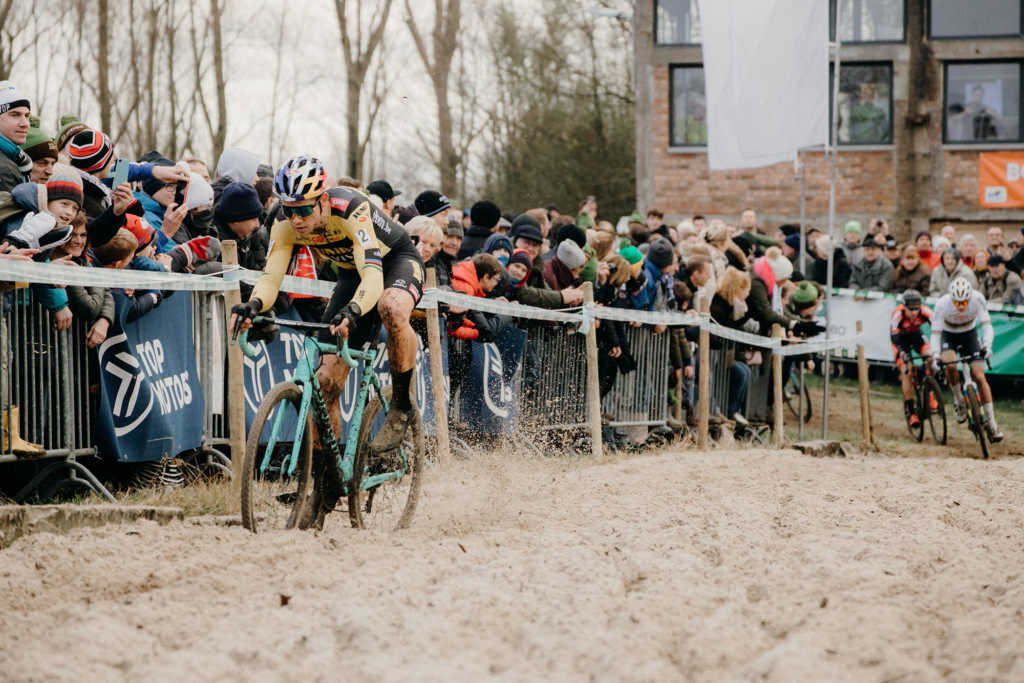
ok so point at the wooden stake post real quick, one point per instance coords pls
(862, 380)
(444, 451)
(236, 387)
(593, 385)
(703, 382)
(777, 435)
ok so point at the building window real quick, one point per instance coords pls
(676, 22)
(865, 104)
(688, 126)
(983, 102)
(975, 19)
(868, 21)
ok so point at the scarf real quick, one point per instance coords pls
(739, 308)
(17, 155)
(557, 274)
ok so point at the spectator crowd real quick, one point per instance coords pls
(69, 199)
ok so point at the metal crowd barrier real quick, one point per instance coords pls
(210, 332)
(641, 397)
(558, 397)
(47, 378)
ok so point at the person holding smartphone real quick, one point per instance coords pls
(164, 203)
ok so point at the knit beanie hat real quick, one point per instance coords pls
(634, 257)
(70, 126)
(140, 227)
(793, 242)
(431, 202)
(485, 213)
(589, 272)
(238, 202)
(454, 227)
(660, 253)
(38, 145)
(852, 226)
(152, 186)
(65, 183)
(573, 233)
(780, 265)
(805, 295)
(10, 98)
(788, 229)
(90, 150)
(939, 242)
(570, 254)
(522, 257)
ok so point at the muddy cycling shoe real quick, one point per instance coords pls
(994, 435)
(391, 433)
(961, 414)
(913, 420)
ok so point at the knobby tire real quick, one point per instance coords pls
(301, 507)
(977, 426)
(937, 417)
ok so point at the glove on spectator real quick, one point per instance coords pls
(808, 328)
(184, 257)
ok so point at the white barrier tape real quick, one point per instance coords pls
(50, 274)
(742, 337)
(647, 317)
(433, 297)
(817, 346)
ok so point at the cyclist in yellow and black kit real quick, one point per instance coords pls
(381, 279)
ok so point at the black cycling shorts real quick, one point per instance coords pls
(403, 270)
(963, 343)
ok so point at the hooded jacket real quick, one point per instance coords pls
(474, 324)
(941, 278)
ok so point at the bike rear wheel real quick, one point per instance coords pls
(977, 422)
(269, 494)
(793, 401)
(392, 504)
(936, 418)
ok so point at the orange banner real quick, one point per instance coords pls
(1001, 179)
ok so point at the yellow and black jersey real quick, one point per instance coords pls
(357, 236)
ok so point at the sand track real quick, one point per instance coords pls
(725, 565)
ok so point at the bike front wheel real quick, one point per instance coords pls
(275, 493)
(390, 504)
(929, 392)
(977, 422)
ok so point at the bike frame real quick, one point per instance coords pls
(967, 383)
(305, 377)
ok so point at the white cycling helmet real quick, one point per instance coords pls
(960, 289)
(302, 177)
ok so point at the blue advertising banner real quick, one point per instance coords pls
(151, 403)
(277, 361)
(488, 402)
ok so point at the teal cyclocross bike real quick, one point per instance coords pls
(286, 477)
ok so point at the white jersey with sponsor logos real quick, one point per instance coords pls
(948, 318)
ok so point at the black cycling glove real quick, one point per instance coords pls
(349, 312)
(249, 310)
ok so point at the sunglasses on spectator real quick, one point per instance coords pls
(300, 211)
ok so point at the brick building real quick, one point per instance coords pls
(926, 87)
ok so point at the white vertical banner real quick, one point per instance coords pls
(765, 79)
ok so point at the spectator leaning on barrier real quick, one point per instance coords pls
(94, 305)
(873, 272)
(911, 273)
(485, 216)
(729, 308)
(563, 270)
(42, 149)
(949, 269)
(999, 285)
(475, 277)
(15, 164)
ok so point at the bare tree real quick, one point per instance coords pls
(359, 55)
(216, 121)
(15, 39)
(437, 59)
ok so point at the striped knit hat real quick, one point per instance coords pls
(65, 183)
(90, 150)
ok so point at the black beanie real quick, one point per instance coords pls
(660, 253)
(152, 186)
(574, 233)
(430, 202)
(485, 213)
(238, 202)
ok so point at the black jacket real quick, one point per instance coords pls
(473, 242)
(840, 270)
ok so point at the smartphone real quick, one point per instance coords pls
(120, 172)
(180, 190)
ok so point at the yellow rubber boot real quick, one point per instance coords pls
(12, 441)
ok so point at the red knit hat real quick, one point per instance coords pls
(90, 150)
(140, 227)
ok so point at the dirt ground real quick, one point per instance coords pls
(722, 565)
